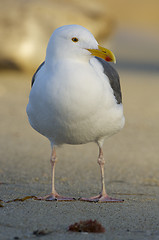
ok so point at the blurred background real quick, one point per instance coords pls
(130, 28)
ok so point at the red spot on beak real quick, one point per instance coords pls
(108, 59)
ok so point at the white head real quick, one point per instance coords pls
(72, 41)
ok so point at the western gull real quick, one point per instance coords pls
(76, 98)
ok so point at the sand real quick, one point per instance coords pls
(131, 170)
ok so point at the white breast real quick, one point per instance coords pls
(74, 105)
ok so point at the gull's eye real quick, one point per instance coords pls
(74, 39)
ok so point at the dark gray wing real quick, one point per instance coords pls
(33, 78)
(113, 79)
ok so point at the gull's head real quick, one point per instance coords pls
(77, 43)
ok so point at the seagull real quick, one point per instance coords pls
(76, 98)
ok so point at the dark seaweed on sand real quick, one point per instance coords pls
(87, 226)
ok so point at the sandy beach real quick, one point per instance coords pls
(131, 169)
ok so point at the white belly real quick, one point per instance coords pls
(72, 109)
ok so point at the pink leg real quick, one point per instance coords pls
(54, 196)
(102, 196)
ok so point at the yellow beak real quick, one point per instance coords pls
(104, 53)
